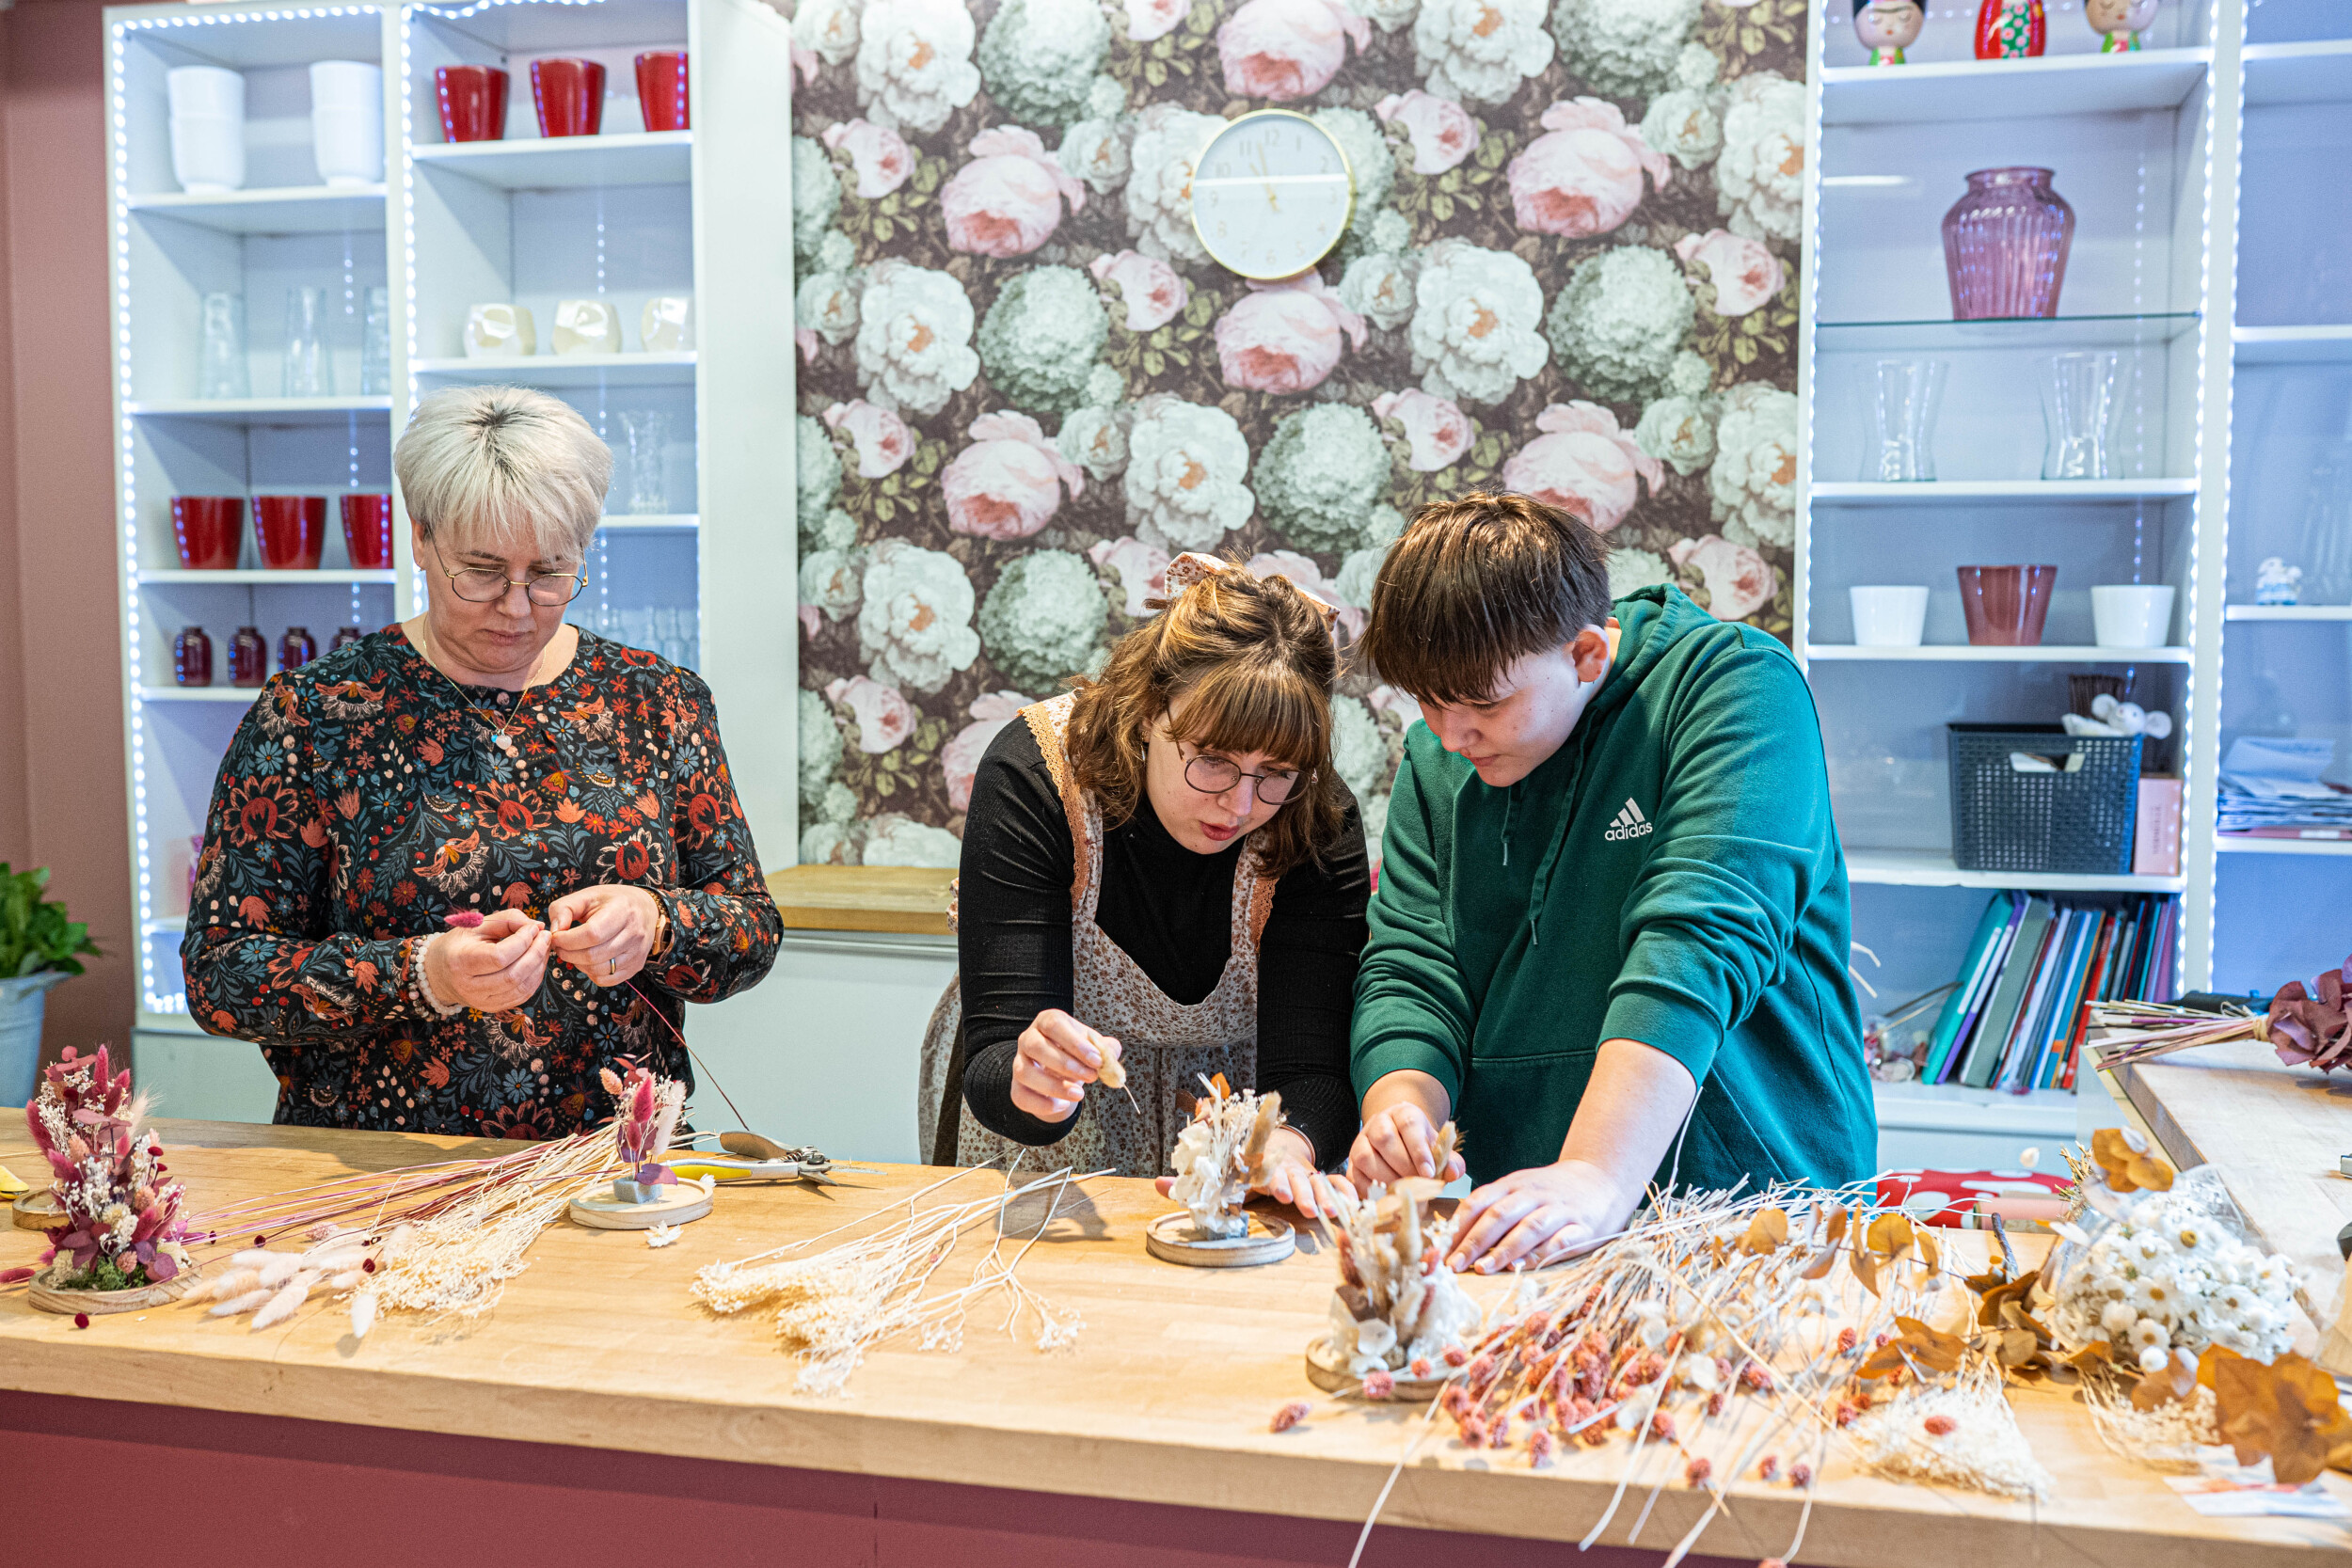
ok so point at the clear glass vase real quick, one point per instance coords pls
(307, 373)
(376, 344)
(2005, 244)
(648, 433)
(1905, 395)
(2080, 408)
(220, 364)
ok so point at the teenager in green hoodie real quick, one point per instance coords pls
(1611, 934)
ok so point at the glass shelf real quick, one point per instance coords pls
(2053, 332)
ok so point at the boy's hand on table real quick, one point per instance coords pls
(1539, 1215)
(1396, 1142)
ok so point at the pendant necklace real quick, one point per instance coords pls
(500, 734)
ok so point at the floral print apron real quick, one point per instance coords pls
(1166, 1046)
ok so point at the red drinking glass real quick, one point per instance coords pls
(661, 89)
(367, 530)
(296, 648)
(291, 531)
(207, 530)
(569, 96)
(192, 658)
(248, 658)
(473, 102)
(2006, 604)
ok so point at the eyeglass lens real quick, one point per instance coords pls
(1215, 775)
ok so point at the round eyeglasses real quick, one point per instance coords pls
(481, 585)
(1215, 775)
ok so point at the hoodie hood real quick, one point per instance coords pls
(1651, 621)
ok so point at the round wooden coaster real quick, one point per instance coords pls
(43, 1296)
(1328, 1370)
(688, 1202)
(38, 1209)
(1268, 1239)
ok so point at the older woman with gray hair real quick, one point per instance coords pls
(454, 869)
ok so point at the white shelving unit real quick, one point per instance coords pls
(2142, 146)
(624, 215)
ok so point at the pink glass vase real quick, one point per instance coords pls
(2005, 244)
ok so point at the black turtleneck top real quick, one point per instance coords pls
(1168, 909)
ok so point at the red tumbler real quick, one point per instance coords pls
(473, 102)
(661, 89)
(291, 531)
(368, 532)
(207, 530)
(248, 658)
(569, 96)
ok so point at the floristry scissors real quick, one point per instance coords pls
(749, 1157)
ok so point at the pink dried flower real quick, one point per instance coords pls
(1800, 1475)
(1473, 1433)
(1421, 1366)
(1939, 1426)
(1454, 1356)
(1845, 1337)
(1698, 1470)
(1758, 1376)
(1290, 1415)
(14, 1276)
(1483, 1369)
(1715, 1403)
(1379, 1383)
(1661, 1426)
(81, 1320)
(464, 919)
(1539, 1448)
(1770, 1469)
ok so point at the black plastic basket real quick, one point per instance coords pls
(2078, 821)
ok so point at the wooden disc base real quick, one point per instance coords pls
(36, 1210)
(1328, 1370)
(687, 1202)
(1268, 1239)
(42, 1294)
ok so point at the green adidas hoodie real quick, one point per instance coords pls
(1671, 875)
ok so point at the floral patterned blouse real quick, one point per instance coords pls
(363, 801)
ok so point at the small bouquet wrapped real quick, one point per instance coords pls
(121, 1243)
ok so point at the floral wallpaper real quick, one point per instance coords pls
(1571, 271)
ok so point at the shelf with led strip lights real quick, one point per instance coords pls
(451, 226)
(2287, 613)
(2292, 345)
(1963, 653)
(2143, 147)
(1944, 90)
(2247, 844)
(2317, 70)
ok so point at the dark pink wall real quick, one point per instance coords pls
(61, 768)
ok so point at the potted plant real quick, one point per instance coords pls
(38, 948)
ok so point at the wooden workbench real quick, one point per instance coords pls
(905, 898)
(1146, 1442)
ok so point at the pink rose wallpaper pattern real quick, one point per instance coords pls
(1571, 270)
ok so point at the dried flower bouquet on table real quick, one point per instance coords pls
(1399, 1315)
(121, 1243)
(2305, 1025)
(833, 1306)
(1218, 1155)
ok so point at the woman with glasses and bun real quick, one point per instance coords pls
(454, 869)
(1161, 870)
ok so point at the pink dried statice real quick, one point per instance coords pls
(1290, 1415)
(1379, 1383)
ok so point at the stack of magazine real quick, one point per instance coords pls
(2015, 1018)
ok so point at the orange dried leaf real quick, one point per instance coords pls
(1890, 1235)
(2288, 1410)
(1837, 1224)
(1866, 1268)
(2178, 1381)
(1887, 1358)
(1767, 1233)
(2152, 1173)
(2017, 1346)
(1930, 1347)
(1824, 1260)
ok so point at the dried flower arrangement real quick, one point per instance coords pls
(122, 1242)
(1399, 1313)
(835, 1305)
(1218, 1154)
(646, 1114)
(2305, 1025)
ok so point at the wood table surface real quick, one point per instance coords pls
(863, 897)
(1163, 1399)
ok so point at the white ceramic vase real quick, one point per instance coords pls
(207, 128)
(667, 325)
(587, 326)
(347, 121)
(2130, 615)
(1889, 617)
(501, 332)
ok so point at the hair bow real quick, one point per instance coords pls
(1193, 566)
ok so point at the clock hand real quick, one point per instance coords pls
(1258, 163)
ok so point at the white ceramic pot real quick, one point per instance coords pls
(587, 326)
(1889, 617)
(21, 1004)
(205, 89)
(666, 326)
(501, 332)
(2130, 615)
(347, 121)
(208, 152)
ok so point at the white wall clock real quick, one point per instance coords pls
(1271, 195)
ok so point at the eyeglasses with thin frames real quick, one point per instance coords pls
(1212, 775)
(481, 585)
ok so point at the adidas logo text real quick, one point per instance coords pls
(1629, 823)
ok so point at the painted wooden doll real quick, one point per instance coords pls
(2119, 22)
(1887, 28)
(2010, 29)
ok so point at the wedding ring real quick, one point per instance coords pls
(612, 966)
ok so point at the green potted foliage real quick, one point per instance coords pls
(38, 948)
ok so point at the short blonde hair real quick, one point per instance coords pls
(496, 467)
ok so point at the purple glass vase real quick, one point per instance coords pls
(2005, 244)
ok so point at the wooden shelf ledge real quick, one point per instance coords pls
(862, 898)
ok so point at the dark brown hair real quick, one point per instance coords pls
(1476, 584)
(1256, 659)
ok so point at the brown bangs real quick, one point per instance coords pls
(1477, 584)
(1257, 705)
(1252, 662)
